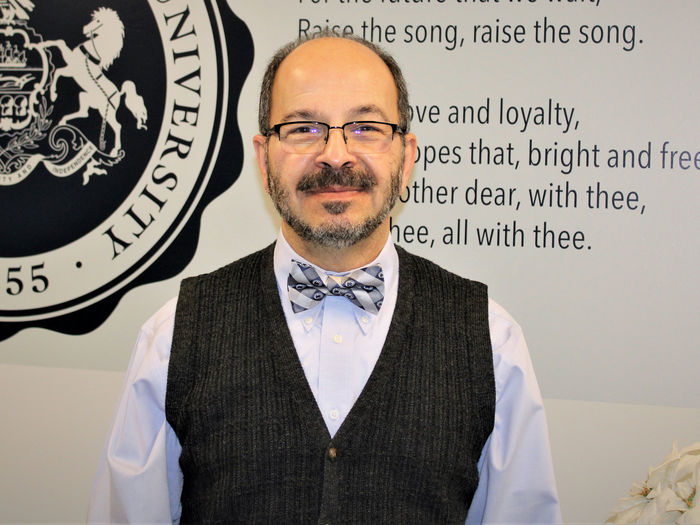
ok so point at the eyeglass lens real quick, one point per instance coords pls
(360, 137)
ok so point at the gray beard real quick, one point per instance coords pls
(340, 233)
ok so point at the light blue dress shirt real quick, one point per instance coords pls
(139, 479)
(337, 342)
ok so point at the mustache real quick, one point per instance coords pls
(331, 177)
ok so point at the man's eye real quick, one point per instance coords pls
(365, 129)
(304, 130)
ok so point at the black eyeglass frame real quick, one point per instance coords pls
(395, 128)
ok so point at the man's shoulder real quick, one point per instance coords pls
(161, 321)
(422, 267)
(252, 261)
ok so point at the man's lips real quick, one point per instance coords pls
(335, 190)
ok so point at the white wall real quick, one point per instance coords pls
(610, 328)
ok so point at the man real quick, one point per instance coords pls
(331, 377)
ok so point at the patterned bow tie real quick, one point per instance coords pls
(363, 287)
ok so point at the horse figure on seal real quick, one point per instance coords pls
(87, 63)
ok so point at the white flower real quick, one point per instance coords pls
(669, 494)
(691, 516)
(628, 510)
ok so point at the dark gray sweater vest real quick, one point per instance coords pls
(255, 448)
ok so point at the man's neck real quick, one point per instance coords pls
(331, 259)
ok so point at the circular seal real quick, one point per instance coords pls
(112, 114)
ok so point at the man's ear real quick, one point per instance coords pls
(409, 158)
(260, 145)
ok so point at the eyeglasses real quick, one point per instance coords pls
(307, 137)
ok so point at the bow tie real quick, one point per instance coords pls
(307, 287)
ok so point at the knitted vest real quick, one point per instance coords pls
(255, 448)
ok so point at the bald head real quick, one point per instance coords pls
(330, 74)
(333, 56)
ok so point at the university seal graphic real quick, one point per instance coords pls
(117, 128)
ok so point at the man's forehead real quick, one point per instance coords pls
(358, 112)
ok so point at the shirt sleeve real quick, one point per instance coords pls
(138, 477)
(516, 478)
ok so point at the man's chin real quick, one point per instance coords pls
(335, 232)
(336, 207)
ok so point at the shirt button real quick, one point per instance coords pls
(337, 338)
(364, 319)
(334, 414)
(332, 453)
(308, 320)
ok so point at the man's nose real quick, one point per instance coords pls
(335, 152)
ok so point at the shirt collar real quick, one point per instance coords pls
(387, 258)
